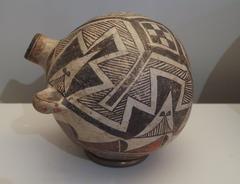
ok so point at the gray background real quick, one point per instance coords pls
(209, 29)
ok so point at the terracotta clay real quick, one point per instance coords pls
(120, 86)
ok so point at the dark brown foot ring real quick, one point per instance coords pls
(114, 163)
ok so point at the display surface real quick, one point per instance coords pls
(119, 85)
(34, 150)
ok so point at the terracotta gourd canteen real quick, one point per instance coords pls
(120, 86)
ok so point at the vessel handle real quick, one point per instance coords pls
(48, 101)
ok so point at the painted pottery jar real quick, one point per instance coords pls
(120, 86)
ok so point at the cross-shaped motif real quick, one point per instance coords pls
(159, 35)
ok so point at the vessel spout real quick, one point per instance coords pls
(39, 49)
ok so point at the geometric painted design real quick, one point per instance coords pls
(59, 84)
(159, 36)
(162, 128)
(126, 76)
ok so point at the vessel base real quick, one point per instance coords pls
(114, 163)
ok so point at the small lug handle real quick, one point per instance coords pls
(48, 101)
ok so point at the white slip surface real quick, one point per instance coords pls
(34, 150)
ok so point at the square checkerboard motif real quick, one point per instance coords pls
(159, 35)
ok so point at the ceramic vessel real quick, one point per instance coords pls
(120, 86)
